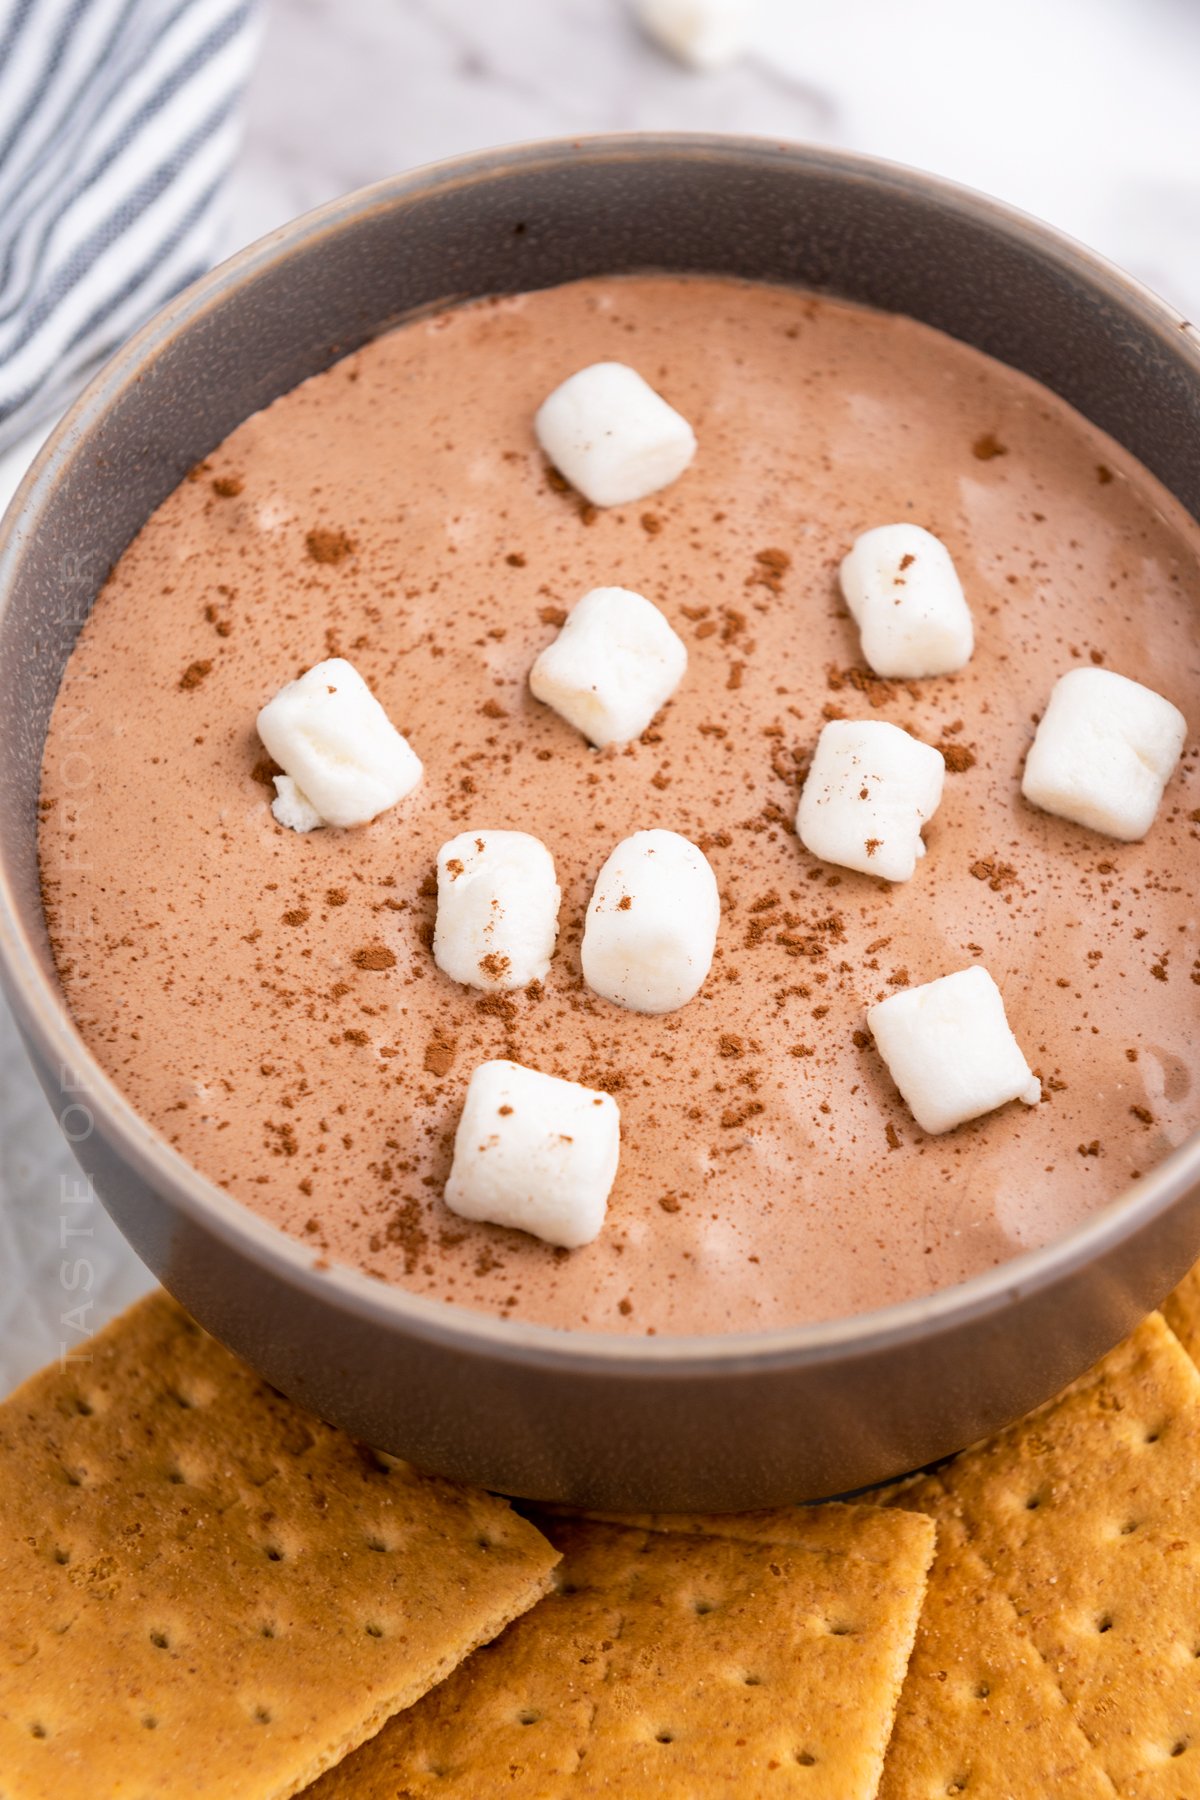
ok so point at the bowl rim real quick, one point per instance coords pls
(44, 1018)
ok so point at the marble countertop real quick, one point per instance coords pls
(1083, 112)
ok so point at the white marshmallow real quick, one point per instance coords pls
(328, 732)
(651, 923)
(949, 1049)
(1104, 751)
(291, 808)
(497, 909)
(612, 436)
(870, 789)
(904, 594)
(613, 664)
(535, 1153)
(705, 34)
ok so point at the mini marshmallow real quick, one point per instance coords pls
(870, 789)
(904, 594)
(291, 808)
(613, 664)
(535, 1153)
(651, 923)
(949, 1049)
(612, 436)
(1104, 751)
(344, 757)
(705, 34)
(497, 909)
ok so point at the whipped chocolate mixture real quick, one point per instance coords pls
(269, 1001)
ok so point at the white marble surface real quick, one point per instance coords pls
(1082, 111)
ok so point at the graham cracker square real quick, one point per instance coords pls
(1087, 1517)
(679, 1664)
(1181, 1310)
(205, 1591)
(980, 1714)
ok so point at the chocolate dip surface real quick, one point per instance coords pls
(269, 1000)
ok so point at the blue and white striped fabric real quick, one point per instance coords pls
(118, 123)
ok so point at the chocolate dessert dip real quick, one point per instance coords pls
(269, 1001)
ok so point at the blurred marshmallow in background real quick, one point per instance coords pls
(703, 34)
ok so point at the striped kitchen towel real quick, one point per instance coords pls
(118, 123)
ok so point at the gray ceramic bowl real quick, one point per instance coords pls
(718, 1423)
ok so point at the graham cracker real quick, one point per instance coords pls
(204, 1591)
(1087, 1516)
(980, 1713)
(1181, 1309)
(680, 1665)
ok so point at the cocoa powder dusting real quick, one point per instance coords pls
(770, 567)
(759, 1183)
(374, 957)
(874, 689)
(440, 1052)
(997, 874)
(326, 546)
(958, 757)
